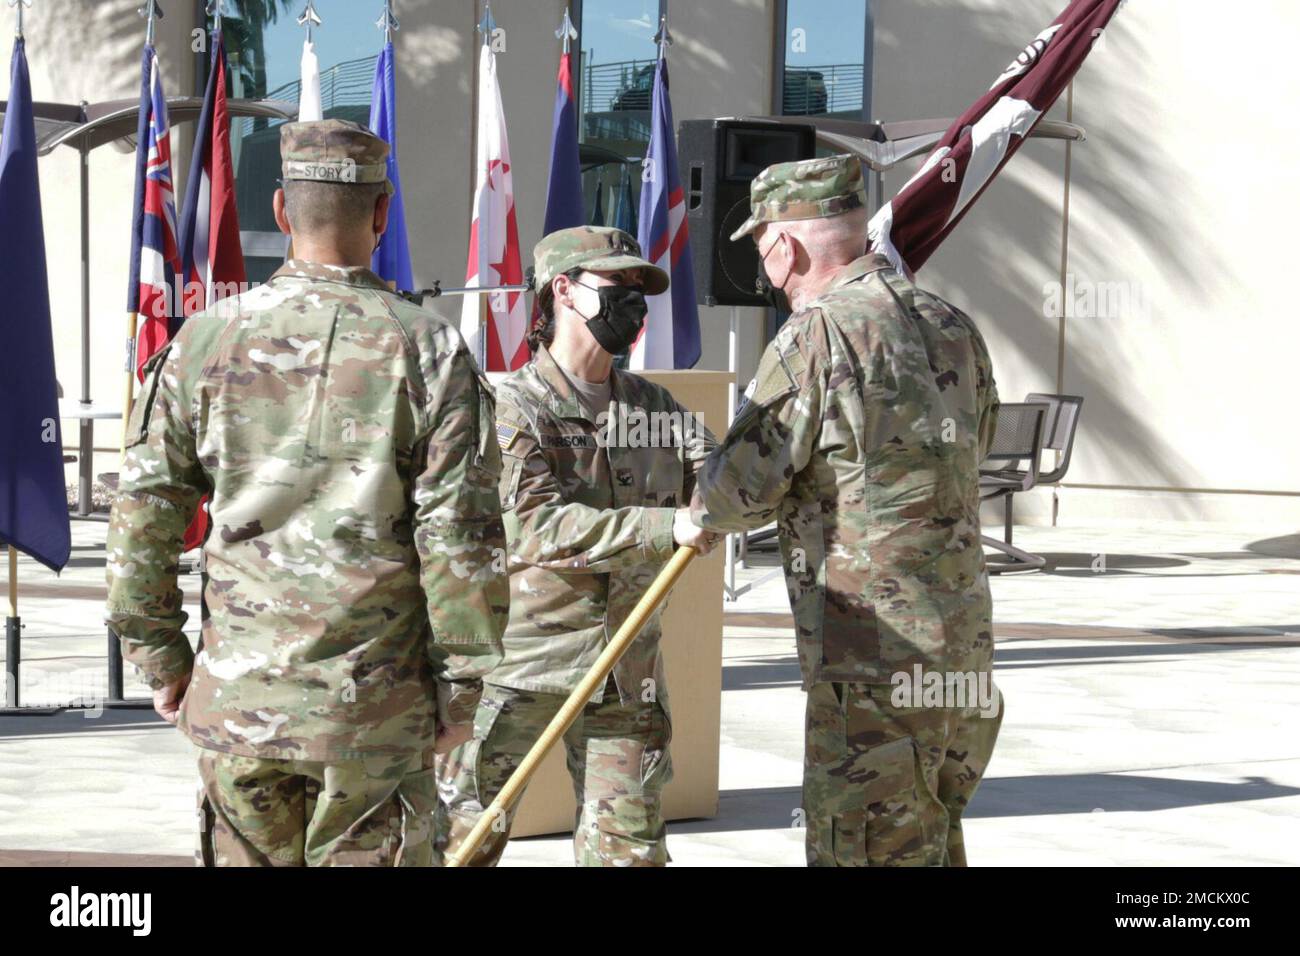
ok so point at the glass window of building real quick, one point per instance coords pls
(615, 70)
(826, 63)
(264, 49)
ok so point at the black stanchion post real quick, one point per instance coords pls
(13, 657)
(115, 689)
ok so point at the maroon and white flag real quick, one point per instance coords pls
(910, 227)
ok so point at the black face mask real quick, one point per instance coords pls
(775, 297)
(621, 316)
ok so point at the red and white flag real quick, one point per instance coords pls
(211, 255)
(155, 253)
(981, 141)
(212, 259)
(494, 238)
(309, 102)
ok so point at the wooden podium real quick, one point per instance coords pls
(692, 648)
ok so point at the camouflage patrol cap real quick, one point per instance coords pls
(596, 249)
(333, 151)
(807, 189)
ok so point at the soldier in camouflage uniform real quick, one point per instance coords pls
(593, 508)
(861, 437)
(355, 568)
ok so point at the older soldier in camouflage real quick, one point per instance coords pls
(861, 437)
(598, 465)
(355, 568)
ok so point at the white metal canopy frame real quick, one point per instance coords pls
(880, 146)
(86, 127)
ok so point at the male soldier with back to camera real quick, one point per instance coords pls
(356, 574)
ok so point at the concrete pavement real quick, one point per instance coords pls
(1149, 678)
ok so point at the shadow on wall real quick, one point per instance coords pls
(58, 33)
(997, 262)
(719, 84)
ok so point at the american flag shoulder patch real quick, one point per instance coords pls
(506, 435)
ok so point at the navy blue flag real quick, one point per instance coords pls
(625, 210)
(671, 337)
(33, 499)
(392, 260)
(598, 212)
(564, 204)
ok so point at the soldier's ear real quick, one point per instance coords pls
(281, 217)
(561, 285)
(382, 207)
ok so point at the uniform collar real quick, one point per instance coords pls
(860, 268)
(348, 275)
(563, 399)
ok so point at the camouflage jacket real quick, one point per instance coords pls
(355, 567)
(869, 416)
(589, 514)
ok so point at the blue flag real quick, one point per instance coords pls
(671, 338)
(392, 260)
(625, 211)
(598, 211)
(33, 498)
(564, 204)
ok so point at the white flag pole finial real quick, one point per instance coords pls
(217, 9)
(151, 13)
(567, 32)
(20, 4)
(388, 22)
(309, 18)
(487, 24)
(663, 38)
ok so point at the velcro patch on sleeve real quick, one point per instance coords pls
(506, 435)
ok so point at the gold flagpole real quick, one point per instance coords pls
(132, 324)
(573, 706)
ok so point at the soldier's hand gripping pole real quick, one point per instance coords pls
(562, 721)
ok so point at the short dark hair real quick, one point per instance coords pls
(312, 206)
(544, 333)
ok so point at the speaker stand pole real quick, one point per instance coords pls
(733, 365)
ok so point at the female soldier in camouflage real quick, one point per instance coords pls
(597, 467)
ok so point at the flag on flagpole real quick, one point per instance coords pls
(598, 210)
(494, 238)
(392, 260)
(625, 210)
(33, 499)
(155, 255)
(209, 246)
(564, 205)
(671, 337)
(309, 104)
(211, 256)
(212, 261)
(908, 228)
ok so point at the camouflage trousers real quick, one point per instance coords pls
(617, 757)
(375, 811)
(886, 785)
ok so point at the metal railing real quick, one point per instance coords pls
(626, 86)
(824, 88)
(344, 84)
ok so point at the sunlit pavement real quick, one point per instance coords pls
(1149, 677)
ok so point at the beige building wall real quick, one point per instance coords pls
(1181, 209)
(1180, 201)
(78, 50)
